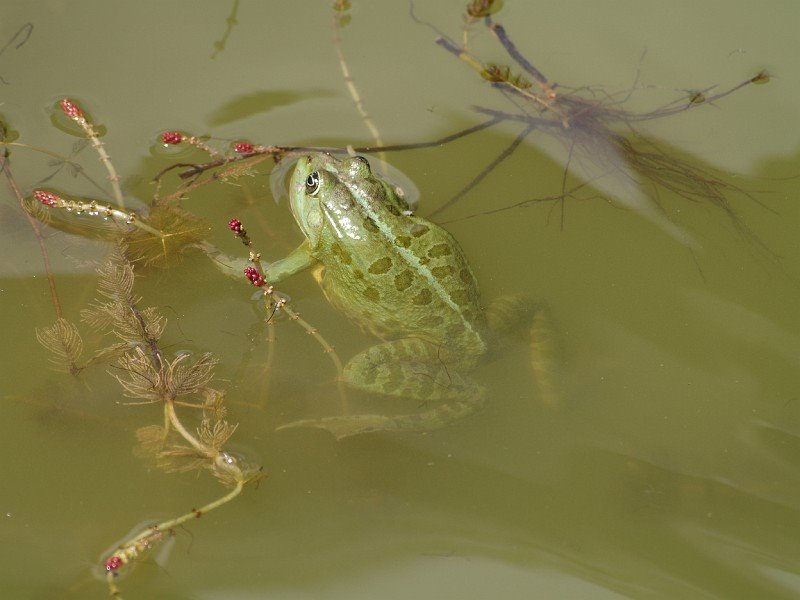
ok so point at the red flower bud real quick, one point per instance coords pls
(71, 109)
(243, 147)
(113, 563)
(47, 198)
(172, 137)
(256, 278)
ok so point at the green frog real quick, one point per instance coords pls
(401, 278)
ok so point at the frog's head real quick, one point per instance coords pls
(341, 193)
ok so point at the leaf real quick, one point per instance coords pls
(179, 458)
(215, 433)
(109, 352)
(63, 340)
(183, 379)
(140, 379)
(116, 280)
(79, 145)
(184, 229)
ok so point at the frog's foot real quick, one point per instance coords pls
(409, 369)
(346, 426)
(520, 317)
(545, 358)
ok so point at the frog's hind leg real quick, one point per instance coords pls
(520, 317)
(411, 369)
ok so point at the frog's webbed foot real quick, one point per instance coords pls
(522, 318)
(342, 427)
(409, 369)
(436, 418)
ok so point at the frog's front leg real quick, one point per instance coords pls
(298, 259)
(411, 369)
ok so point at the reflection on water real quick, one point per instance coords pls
(669, 470)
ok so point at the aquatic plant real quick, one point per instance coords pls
(603, 147)
(147, 375)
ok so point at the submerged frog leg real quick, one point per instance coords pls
(546, 360)
(406, 368)
(522, 318)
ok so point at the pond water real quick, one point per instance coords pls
(667, 467)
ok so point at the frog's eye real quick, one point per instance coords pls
(312, 183)
(358, 167)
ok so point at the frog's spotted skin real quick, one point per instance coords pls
(402, 278)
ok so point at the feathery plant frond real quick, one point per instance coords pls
(186, 379)
(64, 341)
(140, 378)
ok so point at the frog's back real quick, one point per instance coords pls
(411, 280)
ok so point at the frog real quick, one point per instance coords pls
(401, 278)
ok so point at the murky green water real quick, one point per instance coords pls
(668, 469)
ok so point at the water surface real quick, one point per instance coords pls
(669, 466)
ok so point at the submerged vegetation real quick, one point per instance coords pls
(148, 376)
(193, 428)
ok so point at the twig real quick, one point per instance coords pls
(501, 35)
(277, 152)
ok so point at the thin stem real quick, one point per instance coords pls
(169, 410)
(350, 84)
(100, 148)
(134, 547)
(509, 46)
(65, 160)
(12, 183)
(277, 152)
(508, 151)
(326, 347)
